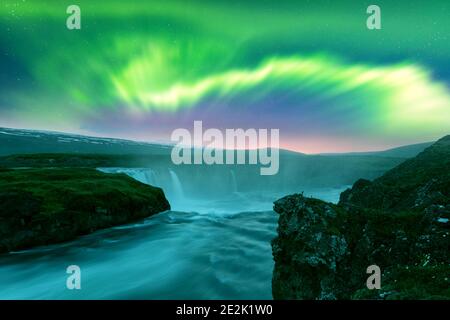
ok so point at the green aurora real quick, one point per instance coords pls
(139, 69)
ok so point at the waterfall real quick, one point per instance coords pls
(166, 179)
(138, 175)
(176, 183)
(143, 175)
(233, 181)
(151, 177)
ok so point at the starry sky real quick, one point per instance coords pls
(140, 69)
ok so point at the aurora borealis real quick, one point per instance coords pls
(140, 69)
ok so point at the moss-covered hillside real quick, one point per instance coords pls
(43, 206)
(399, 222)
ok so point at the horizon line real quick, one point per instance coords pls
(165, 143)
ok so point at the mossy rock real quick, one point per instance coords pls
(43, 206)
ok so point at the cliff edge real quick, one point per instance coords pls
(45, 206)
(399, 222)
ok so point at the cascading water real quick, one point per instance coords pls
(167, 179)
(218, 192)
(150, 177)
(176, 183)
(233, 181)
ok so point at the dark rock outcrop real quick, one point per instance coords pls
(399, 222)
(44, 206)
(308, 250)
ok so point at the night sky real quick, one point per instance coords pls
(139, 69)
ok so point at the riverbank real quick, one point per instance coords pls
(45, 206)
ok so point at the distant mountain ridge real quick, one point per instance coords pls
(407, 151)
(38, 149)
(18, 141)
(26, 141)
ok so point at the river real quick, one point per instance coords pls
(201, 249)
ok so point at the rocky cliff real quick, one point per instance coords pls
(44, 206)
(399, 222)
